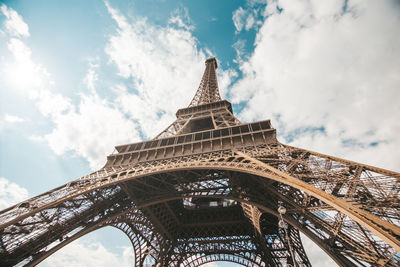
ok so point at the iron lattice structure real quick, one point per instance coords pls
(208, 188)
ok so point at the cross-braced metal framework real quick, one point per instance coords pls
(209, 188)
(208, 91)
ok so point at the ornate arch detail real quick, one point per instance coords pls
(244, 260)
(130, 222)
(143, 236)
(346, 215)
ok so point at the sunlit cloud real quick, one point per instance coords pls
(89, 129)
(14, 23)
(326, 73)
(159, 64)
(84, 254)
(91, 76)
(23, 74)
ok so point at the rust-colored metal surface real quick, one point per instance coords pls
(209, 188)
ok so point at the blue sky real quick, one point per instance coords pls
(79, 77)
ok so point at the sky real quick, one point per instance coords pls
(80, 77)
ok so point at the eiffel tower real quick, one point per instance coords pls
(210, 188)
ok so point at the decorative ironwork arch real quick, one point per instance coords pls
(351, 210)
(239, 259)
(241, 162)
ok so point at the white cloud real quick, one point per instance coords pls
(224, 80)
(164, 66)
(23, 73)
(20, 51)
(91, 77)
(12, 118)
(180, 17)
(14, 23)
(91, 129)
(238, 18)
(322, 68)
(84, 254)
(164, 80)
(327, 10)
(51, 104)
(250, 21)
(11, 193)
(247, 18)
(239, 47)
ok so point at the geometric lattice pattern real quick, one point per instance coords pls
(208, 188)
(208, 91)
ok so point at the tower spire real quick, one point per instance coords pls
(208, 91)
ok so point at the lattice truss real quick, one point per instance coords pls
(350, 210)
(156, 191)
(220, 116)
(208, 91)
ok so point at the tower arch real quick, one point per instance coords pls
(181, 184)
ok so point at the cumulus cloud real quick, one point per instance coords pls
(90, 129)
(84, 254)
(14, 23)
(327, 75)
(11, 193)
(22, 73)
(163, 64)
(162, 67)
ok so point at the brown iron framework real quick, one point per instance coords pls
(208, 188)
